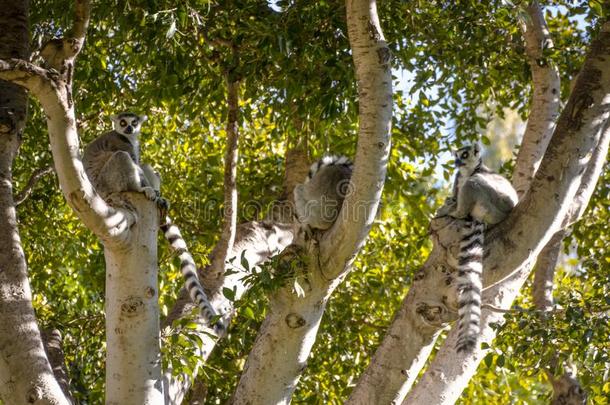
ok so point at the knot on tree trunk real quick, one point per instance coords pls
(295, 321)
(132, 306)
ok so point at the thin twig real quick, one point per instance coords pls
(36, 176)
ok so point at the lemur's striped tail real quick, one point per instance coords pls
(189, 272)
(469, 284)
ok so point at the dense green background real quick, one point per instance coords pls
(460, 64)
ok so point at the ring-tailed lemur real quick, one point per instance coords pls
(318, 201)
(112, 163)
(112, 160)
(485, 198)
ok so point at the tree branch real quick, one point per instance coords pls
(289, 331)
(545, 100)
(227, 237)
(255, 242)
(82, 13)
(564, 385)
(27, 75)
(60, 53)
(372, 61)
(54, 94)
(25, 372)
(579, 141)
(27, 190)
(544, 274)
(53, 345)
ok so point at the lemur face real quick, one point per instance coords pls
(469, 156)
(128, 123)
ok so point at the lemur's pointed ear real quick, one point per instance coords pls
(144, 118)
(114, 117)
(477, 147)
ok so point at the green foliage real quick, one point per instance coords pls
(297, 83)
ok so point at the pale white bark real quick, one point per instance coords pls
(567, 174)
(25, 372)
(446, 376)
(284, 341)
(566, 389)
(133, 362)
(545, 100)
(579, 146)
(372, 62)
(424, 312)
(544, 274)
(53, 346)
(255, 242)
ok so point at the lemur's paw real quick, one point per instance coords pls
(150, 193)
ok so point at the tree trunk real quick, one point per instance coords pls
(227, 237)
(255, 242)
(133, 362)
(424, 312)
(284, 342)
(53, 346)
(566, 389)
(25, 373)
(128, 231)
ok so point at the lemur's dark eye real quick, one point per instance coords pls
(465, 155)
(134, 122)
(123, 123)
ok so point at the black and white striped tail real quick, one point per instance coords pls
(328, 161)
(469, 284)
(189, 272)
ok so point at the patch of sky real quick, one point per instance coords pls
(405, 81)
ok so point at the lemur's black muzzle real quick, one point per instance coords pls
(129, 129)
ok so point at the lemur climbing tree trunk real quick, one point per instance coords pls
(566, 177)
(25, 373)
(133, 365)
(287, 335)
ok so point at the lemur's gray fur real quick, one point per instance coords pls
(112, 163)
(318, 201)
(112, 160)
(485, 198)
